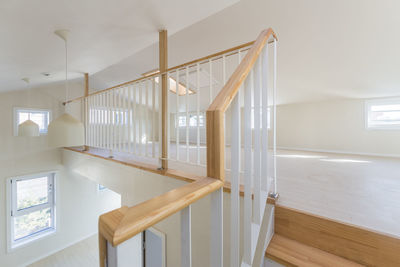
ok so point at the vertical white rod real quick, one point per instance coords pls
(187, 112)
(247, 173)
(124, 118)
(119, 119)
(198, 110)
(135, 119)
(177, 115)
(255, 80)
(102, 120)
(114, 120)
(186, 237)
(130, 119)
(140, 114)
(235, 180)
(153, 116)
(217, 230)
(109, 120)
(86, 121)
(146, 110)
(210, 81)
(90, 118)
(168, 115)
(97, 129)
(265, 116)
(160, 119)
(274, 104)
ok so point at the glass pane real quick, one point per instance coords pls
(22, 116)
(32, 192)
(39, 119)
(31, 223)
(395, 107)
(386, 116)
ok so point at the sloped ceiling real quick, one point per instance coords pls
(103, 32)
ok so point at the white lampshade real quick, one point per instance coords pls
(28, 128)
(66, 131)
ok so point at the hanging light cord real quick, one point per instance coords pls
(66, 71)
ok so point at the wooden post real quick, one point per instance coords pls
(163, 58)
(85, 114)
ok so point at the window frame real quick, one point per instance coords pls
(12, 211)
(382, 101)
(19, 109)
(187, 122)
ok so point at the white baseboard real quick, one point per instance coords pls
(58, 249)
(339, 152)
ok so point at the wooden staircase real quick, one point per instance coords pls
(303, 239)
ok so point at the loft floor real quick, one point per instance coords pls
(360, 190)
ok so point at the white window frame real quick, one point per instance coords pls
(187, 122)
(19, 109)
(13, 212)
(374, 102)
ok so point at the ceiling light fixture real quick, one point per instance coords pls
(66, 131)
(28, 127)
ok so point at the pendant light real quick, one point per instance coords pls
(65, 131)
(28, 127)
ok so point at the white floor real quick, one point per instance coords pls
(82, 254)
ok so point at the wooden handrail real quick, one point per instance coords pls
(215, 112)
(190, 63)
(122, 224)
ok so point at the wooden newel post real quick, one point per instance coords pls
(85, 115)
(163, 49)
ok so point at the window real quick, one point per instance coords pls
(192, 120)
(39, 116)
(101, 188)
(268, 120)
(383, 114)
(31, 208)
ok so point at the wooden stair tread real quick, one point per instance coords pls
(292, 253)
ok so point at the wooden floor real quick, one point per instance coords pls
(291, 253)
(359, 190)
(82, 254)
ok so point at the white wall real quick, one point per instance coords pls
(334, 126)
(78, 202)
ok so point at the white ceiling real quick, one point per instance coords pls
(103, 32)
(326, 49)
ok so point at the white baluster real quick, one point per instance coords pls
(235, 178)
(140, 116)
(210, 81)
(198, 110)
(217, 229)
(135, 119)
(265, 116)
(186, 237)
(109, 94)
(130, 119)
(187, 113)
(124, 118)
(153, 114)
(146, 110)
(274, 105)
(255, 77)
(247, 234)
(177, 115)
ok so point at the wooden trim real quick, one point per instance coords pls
(122, 224)
(354, 243)
(292, 253)
(215, 113)
(229, 91)
(193, 62)
(163, 54)
(215, 145)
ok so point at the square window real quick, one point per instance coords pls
(32, 208)
(38, 116)
(383, 114)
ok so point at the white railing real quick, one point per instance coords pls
(126, 119)
(199, 83)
